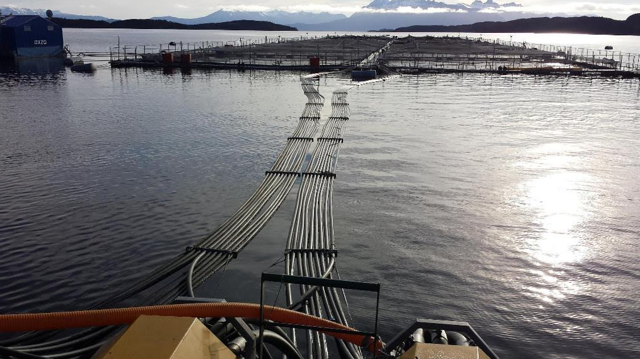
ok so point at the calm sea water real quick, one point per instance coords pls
(508, 202)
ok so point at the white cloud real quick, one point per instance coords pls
(348, 10)
(194, 8)
(317, 8)
(413, 10)
(616, 10)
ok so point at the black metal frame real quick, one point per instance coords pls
(319, 282)
(461, 327)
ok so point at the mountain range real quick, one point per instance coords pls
(572, 25)
(379, 14)
(275, 16)
(477, 5)
(376, 15)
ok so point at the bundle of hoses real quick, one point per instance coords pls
(191, 268)
(311, 244)
(119, 316)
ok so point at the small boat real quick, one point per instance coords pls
(608, 47)
(88, 67)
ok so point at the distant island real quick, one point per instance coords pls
(590, 25)
(164, 24)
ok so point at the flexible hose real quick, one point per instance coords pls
(281, 343)
(190, 276)
(16, 354)
(238, 345)
(118, 316)
(234, 234)
(312, 229)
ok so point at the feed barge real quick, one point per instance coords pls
(29, 36)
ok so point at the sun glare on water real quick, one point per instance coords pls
(556, 201)
(559, 208)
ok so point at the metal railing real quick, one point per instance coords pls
(574, 56)
(249, 51)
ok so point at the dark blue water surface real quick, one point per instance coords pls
(512, 203)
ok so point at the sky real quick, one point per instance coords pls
(126, 9)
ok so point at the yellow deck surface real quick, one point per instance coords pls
(166, 338)
(438, 351)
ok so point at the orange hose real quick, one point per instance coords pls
(117, 316)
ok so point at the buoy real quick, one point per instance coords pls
(456, 338)
(439, 337)
(84, 68)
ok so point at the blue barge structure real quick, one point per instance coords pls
(29, 36)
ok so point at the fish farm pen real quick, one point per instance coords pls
(433, 54)
(410, 54)
(328, 53)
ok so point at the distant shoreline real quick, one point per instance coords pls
(164, 24)
(588, 25)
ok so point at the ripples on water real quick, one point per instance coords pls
(104, 177)
(508, 202)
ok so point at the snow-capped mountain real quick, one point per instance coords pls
(8, 10)
(275, 16)
(376, 15)
(391, 14)
(416, 4)
(379, 14)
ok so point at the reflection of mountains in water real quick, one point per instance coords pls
(33, 67)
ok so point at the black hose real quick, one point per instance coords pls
(234, 234)
(18, 355)
(281, 344)
(100, 334)
(312, 229)
(268, 325)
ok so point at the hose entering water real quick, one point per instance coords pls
(189, 269)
